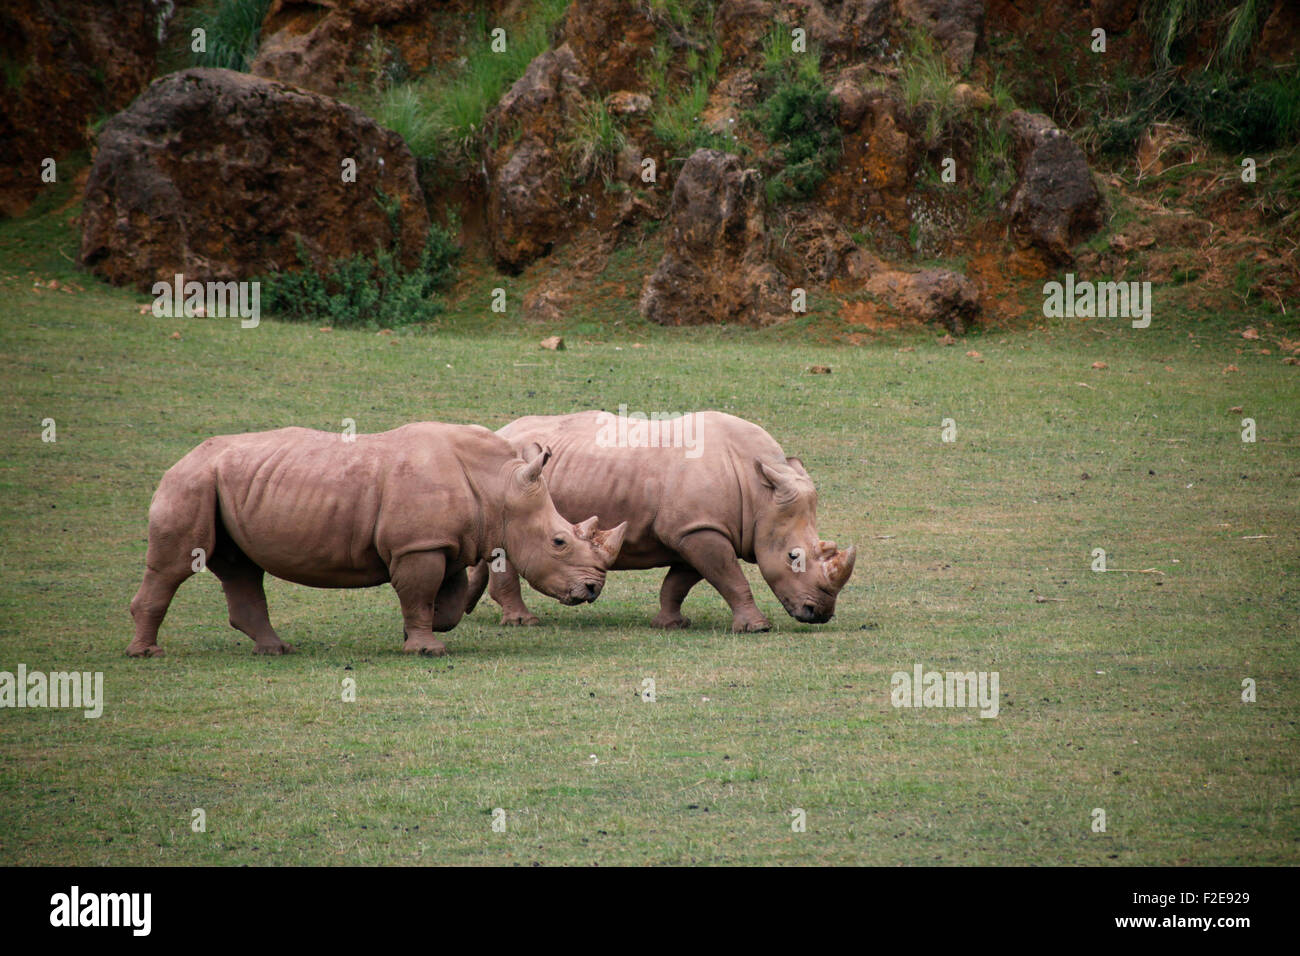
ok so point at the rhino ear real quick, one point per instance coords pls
(767, 474)
(779, 482)
(797, 465)
(532, 469)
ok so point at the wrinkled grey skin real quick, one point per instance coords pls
(738, 499)
(414, 506)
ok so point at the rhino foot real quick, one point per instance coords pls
(273, 650)
(520, 620)
(675, 623)
(145, 650)
(425, 647)
(751, 627)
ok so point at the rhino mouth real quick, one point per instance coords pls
(808, 613)
(584, 592)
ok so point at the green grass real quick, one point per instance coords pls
(441, 114)
(232, 32)
(595, 142)
(927, 86)
(1120, 691)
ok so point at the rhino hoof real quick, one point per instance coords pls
(425, 648)
(751, 627)
(273, 650)
(149, 650)
(520, 620)
(671, 624)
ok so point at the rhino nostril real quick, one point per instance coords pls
(593, 591)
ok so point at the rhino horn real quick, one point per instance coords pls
(839, 567)
(609, 542)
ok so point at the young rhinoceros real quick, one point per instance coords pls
(414, 506)
(731, 494)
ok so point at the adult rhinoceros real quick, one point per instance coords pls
(414, 506)
(698, 495)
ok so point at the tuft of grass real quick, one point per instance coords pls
(927, 86)
(595, 142)
(405, 112)
(1172, 24)
(677, 122)
(232, 31)
(994, 166)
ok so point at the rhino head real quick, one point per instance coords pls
(566, 561)
(804, 572)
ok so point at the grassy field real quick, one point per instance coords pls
(1119, 691)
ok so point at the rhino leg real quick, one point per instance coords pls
(504, 588)
(681, 578)
(182, 523)
(712, 555)
(417, 579)
(449, 605)
(149, 607)
(241, 579)
(478, 579)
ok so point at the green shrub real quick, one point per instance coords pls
(1259, 111)
(1235, 112)
(799, 117)
(232, 31)
(371, 292)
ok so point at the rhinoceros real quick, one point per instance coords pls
(414, 506)
(698, 494)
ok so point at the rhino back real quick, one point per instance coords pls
(311, 508)
(663, 492)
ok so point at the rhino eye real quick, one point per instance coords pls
(557, 541)
(793, 555)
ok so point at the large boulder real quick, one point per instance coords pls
(882, 152)
(930, 295)
(611, 39)
(529, 201)
(316, 43)
(1056, 204)
(220, 175)
(715, 266)
(838, 26)
(850, 26)
(67, 62)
